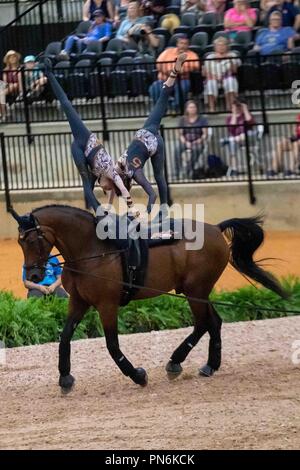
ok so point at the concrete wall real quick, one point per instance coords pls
(279, 201)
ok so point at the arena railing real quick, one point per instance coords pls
(43, 22)
(116, 90)
(46, 162)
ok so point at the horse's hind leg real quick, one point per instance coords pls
(77, 309)
(199, 310)
(214, 322)
(110, 326)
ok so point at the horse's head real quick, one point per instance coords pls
(36, 244)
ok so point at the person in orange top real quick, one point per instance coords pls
(164, 65)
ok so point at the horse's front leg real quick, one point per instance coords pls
(77, 309)
(109, 317)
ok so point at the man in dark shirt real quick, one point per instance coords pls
(290, 14)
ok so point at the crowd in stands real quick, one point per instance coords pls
(218, 36)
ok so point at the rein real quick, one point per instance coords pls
(42, 236)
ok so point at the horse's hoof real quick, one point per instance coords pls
(206, 371)
(141, 377)
(66, 383)
(173, 370)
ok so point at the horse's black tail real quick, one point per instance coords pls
(246, 235)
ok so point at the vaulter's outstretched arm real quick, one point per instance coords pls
(141, 179)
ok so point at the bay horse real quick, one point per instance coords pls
(95, 280)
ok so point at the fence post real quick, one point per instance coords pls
(252, 197)
(169, 197)
(262, 97)
(42, 26)
(17, 9)
(59, 10)
(102, 104)
(26, 107)
(5, 172)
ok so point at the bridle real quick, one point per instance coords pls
(43, 257)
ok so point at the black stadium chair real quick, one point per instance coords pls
(109, 55)
(290, 72)
(92, 51)
(271, 76)
(53, 50)
(249, 78)
(189, 19)
(78, 79)
(83, 28)
(128, 53)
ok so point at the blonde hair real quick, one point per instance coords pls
(222, 39)
(8, 55)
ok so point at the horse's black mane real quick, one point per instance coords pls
(63, 206)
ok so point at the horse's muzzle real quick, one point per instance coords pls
(35, 275)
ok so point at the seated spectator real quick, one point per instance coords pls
(192, 137)
(239, 120)
(133, 17)
(12, 79)
(121, 7)
(220, 68)
(290, 145)
(100, 30)
(290, 14)
(214, 6)
(239, 18)
(90, 6)
(164, 65)
(51, 284)
(155, 8)
(276, 38)
(204, 6)
(170, 22)
(35, 80)
(264, 7)
(142, 38)
(2, 100)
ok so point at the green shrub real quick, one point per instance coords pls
(34, 321)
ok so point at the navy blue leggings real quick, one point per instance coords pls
(81, 136)
(152, 124)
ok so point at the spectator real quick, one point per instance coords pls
(51, 284)
(90, 6)
(164, 65)
(170, 22)
(121, 7)
(214, 6)
(155, 8)
(192, 135)
(239, 120)
(12, 79)
(220, 68)
(204, 6)
(290, 14)
(100, 30)
(264, 7)
(287, 144)
(35, 80)
(276, 38)
(133, 17)
(142, 38)
(239, 18)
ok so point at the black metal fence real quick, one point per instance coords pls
(43, 22)
(252, 155)
(110, 87)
